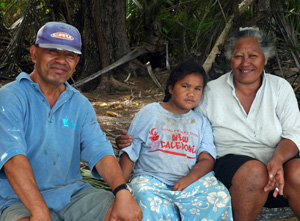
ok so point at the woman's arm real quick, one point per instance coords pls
(204, 165)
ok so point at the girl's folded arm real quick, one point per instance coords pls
(126, 166)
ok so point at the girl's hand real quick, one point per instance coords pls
(123, 140)
(204, 165)
(182, 184)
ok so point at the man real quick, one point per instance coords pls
(46, 128)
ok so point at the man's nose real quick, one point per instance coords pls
(61, 58)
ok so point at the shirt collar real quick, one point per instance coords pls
(24, 75)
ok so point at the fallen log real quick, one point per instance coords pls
(130, 56)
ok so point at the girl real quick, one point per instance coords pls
(174, 155)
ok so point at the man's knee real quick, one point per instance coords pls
(93, 203)
(15, 212)
(18, 212)
(24, 219)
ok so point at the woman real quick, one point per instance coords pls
(256, 127)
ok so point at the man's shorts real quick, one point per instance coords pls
(88, 204)
(225, 168)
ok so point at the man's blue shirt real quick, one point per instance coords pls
(54, 140)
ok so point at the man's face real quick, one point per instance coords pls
(52, 66)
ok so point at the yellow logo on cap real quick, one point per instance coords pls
(62, 35)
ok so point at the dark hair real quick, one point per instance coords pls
(264, 41)
(180, 71)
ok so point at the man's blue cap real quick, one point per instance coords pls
(59, 35)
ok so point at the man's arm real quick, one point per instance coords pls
(125, 206)
(21, 178)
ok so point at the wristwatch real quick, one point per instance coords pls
(122, 187)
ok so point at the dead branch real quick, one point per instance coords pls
(279, 63)
(167, 57)
(140, 7)
(297, 88)
(216, 49)
(148, 65)
(130, 56)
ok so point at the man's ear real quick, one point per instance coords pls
(78, 58)
(33, 52)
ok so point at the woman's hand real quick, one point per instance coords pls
(285, 150)
(276, 177)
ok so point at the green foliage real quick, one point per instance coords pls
(287, 28)
(287, 32)
(190, 26)
(13, 10)
(20, 22)
(10, 10)
(134, 23)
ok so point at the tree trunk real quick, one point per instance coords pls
(263, 15)
(152, 25)
(105, 41)
(92, 56)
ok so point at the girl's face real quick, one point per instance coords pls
(186, 93)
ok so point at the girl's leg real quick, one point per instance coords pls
(151, 195)
(205, 198)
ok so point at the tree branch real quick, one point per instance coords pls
(216, 49)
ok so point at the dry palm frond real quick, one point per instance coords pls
(288, 38)
(10, 55)
(88, 178)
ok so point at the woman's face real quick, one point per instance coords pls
(247, 61)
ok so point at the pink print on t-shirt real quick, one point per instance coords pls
(177, 146)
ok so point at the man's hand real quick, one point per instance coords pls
(123, 140)
(276, 177)
(125, 207)
(40, 216)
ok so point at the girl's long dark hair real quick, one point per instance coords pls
(180, 71)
